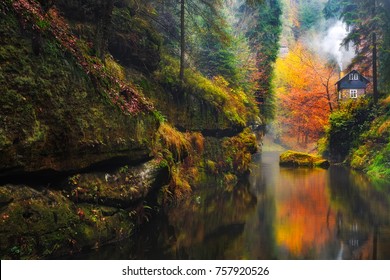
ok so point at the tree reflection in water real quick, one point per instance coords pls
(279, 213)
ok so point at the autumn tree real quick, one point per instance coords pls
(306, 93)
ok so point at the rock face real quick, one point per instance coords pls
(49, 224)
(297, 159)
(82, 212)
(122, 188)
(54, 116)
(57, 116)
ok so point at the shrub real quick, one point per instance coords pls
(347, 125)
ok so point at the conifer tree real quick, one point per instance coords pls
(369, 23)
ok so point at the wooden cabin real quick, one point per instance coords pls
(353, 85)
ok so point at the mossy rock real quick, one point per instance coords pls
(298, 159)
(121, 188)
(53, 115)
(46, 224)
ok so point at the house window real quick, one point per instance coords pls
(354, 77)
(353, 93)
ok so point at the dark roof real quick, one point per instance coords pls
(346, 83)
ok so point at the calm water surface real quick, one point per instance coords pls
(279, 213)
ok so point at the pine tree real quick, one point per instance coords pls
(369, 23)
(264, 39)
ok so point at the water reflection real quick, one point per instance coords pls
(279, 213)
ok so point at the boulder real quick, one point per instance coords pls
(298, 159)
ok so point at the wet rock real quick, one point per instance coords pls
(122, 188)
(38, 225)
(91, 210)
(298, 159)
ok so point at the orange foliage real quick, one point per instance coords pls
(305, 88)
(304, 219)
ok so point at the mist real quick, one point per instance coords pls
(328, 43)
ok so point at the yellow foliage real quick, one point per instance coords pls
(230, 178)
(384, 128)
(386, 101)
(197, 141)
(114, 68)
(211, 167)
(179, 185)
(238, 106)
(176, 141)
(182, 152)
(305, 93)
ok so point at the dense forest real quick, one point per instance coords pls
(114, 110)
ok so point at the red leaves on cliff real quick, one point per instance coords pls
(124, 96)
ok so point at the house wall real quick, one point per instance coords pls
(345, 93)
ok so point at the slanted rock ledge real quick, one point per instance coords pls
(81, 212)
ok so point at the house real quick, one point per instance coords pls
(352, 85)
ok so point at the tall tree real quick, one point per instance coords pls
(306, 101)
(180, 28)
(182, 39)
(264, 34)
(368, 21)
(374, 53)
(103, 24)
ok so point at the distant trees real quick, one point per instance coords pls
(238, 40)
(180, 20)
(310, 14)
(264, 34)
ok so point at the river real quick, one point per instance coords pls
(278, 213)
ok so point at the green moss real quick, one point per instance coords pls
(363, 130)
(237, 152)
(47, 224)
(55, 115)
(211, 167)
(233, 105)
(298, 159)
(347, 124)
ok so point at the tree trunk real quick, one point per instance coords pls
(103, 25)
(329, 97)
(374, 68)
(374, 60)
(182, 39)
